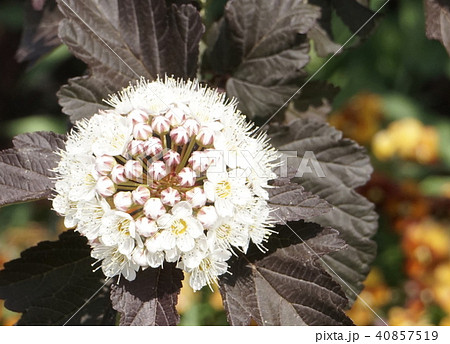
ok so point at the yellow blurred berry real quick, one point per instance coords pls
(412, 315)
(359, 118)
(376, 294)
(406, 134)
(427, 149)
(383, 145)
(441, 286)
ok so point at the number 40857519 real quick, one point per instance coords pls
(407, 335)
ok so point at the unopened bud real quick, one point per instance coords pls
(192, 127)
(118, 174)
(145, 226)
(170, 196)
(205, 136)
(138, 116)
(207, 216)
(141, 194)
(179, 135)
(199, 161)
(153, 146)
(105, 186)
(187, 177)
(104, 164)
(142, 131)
(157, 170)
(136, 147)
(154, 208)
(176, 116)
(160, 125)
(196, 197)
(133, 169)
(123, 200)
(172, 158)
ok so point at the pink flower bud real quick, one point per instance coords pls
(157, 170)
(154, 208)
(138, 116)
(170, 196)
(105, 164)
(118, 174)
(205, 136)
(192, 127)
(176, 116)
(146, 227)
(133, 169)
(196, 197)
(141, 194)
(160, 125)
(187, 177)
(105, 186)
(136, 147)
(199, 161)
(172, 158)
(123, 200)
(179, 136)
(142, 131)
(207, 216)
(153, 146)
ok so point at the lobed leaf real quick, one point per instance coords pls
(290, 202)
(262, 44)
(25, 170)
(150, 299)
(52, 280)
(285, 286)
(346, 166)
(122, 41)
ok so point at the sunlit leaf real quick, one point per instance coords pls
(286, 286)
(345, 166)
(262, 44)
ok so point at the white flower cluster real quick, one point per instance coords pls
(172, 173)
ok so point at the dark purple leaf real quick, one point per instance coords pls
(292, 203)
(346, 166)
(40, 33)
(150, 299)
(25, 170)
(52, 280)
(286, 286)
(121, 41)
(262, 44)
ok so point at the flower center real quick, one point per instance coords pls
(223, 232)
(223, 189)
(178, 227)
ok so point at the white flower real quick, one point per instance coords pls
(228, 233)
(171, 173)
(180, 228)
(226, 190)
(118, 228)
(212, 265)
